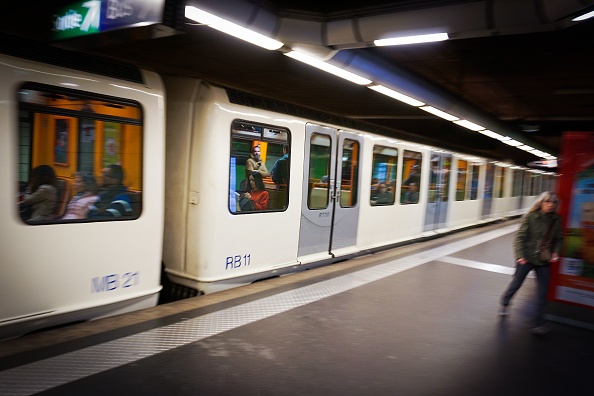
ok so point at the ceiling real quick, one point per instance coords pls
(535, 83)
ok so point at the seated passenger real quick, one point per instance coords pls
(39, 201)
(114, 200)
(258, 196)
(86, 195)
(374, 183)
(412, 195)
(381, 195)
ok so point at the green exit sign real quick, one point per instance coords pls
(95, 16)
(78, 19)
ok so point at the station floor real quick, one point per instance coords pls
(415, 320)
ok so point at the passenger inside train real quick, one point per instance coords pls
(252, 146)
(381, 196)
(39, 199)
(279, 172)
(86, 195)
(72, 134)
(412, 195)
(257, 198)
(114, 200)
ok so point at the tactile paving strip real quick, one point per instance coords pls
(45, 374)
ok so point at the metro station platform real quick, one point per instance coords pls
(416, 320)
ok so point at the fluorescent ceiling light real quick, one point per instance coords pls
(512, 142)
(584, 16)
(439, 113)
(493, 135)
(469, 125)
(232, 29)
(337, 71)
(526, 147)
(423, 38)
(396, 95)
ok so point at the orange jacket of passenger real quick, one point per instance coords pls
(260, 198)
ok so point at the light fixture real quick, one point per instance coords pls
(422, 38)
(439, 113)
(396, 95)
(327, 67)
(583, 16)
(470, 125)
(525, 147)
(230, 28)
(512, 142)
(493, 135)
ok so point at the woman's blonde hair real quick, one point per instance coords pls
(545, 196)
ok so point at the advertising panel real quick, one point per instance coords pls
(573, 279)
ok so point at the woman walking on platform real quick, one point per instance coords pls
(537, 243)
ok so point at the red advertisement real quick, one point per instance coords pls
(573, 279)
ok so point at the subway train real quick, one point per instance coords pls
(220, 188)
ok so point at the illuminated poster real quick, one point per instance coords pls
(61, 142)
(573, 282)
(111, 143)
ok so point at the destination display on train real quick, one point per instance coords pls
(96, 16)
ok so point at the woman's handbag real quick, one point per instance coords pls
(544, 253)
(544, 250)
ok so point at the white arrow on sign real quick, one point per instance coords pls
(92, 18)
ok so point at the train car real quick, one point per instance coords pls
(61, 125)
(344, 191)
(114, 172)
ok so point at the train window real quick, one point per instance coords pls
(527, 184)
(439, 178)
(411, 177)
(474, 181)
(259, 168)
(535, 182)
(80, 156)
(499, 182)
(349, 174)
(319, 171)
(383, 176)
(518, 178)
(461, 180)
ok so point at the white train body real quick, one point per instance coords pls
(185, 146)
(62, 272)
(209, 246)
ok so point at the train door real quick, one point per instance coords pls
(346, 204)
(439, 190)
(330, 208)
(488, 190)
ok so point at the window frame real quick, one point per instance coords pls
(34, 141)
(391, 171)
(277, 195)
